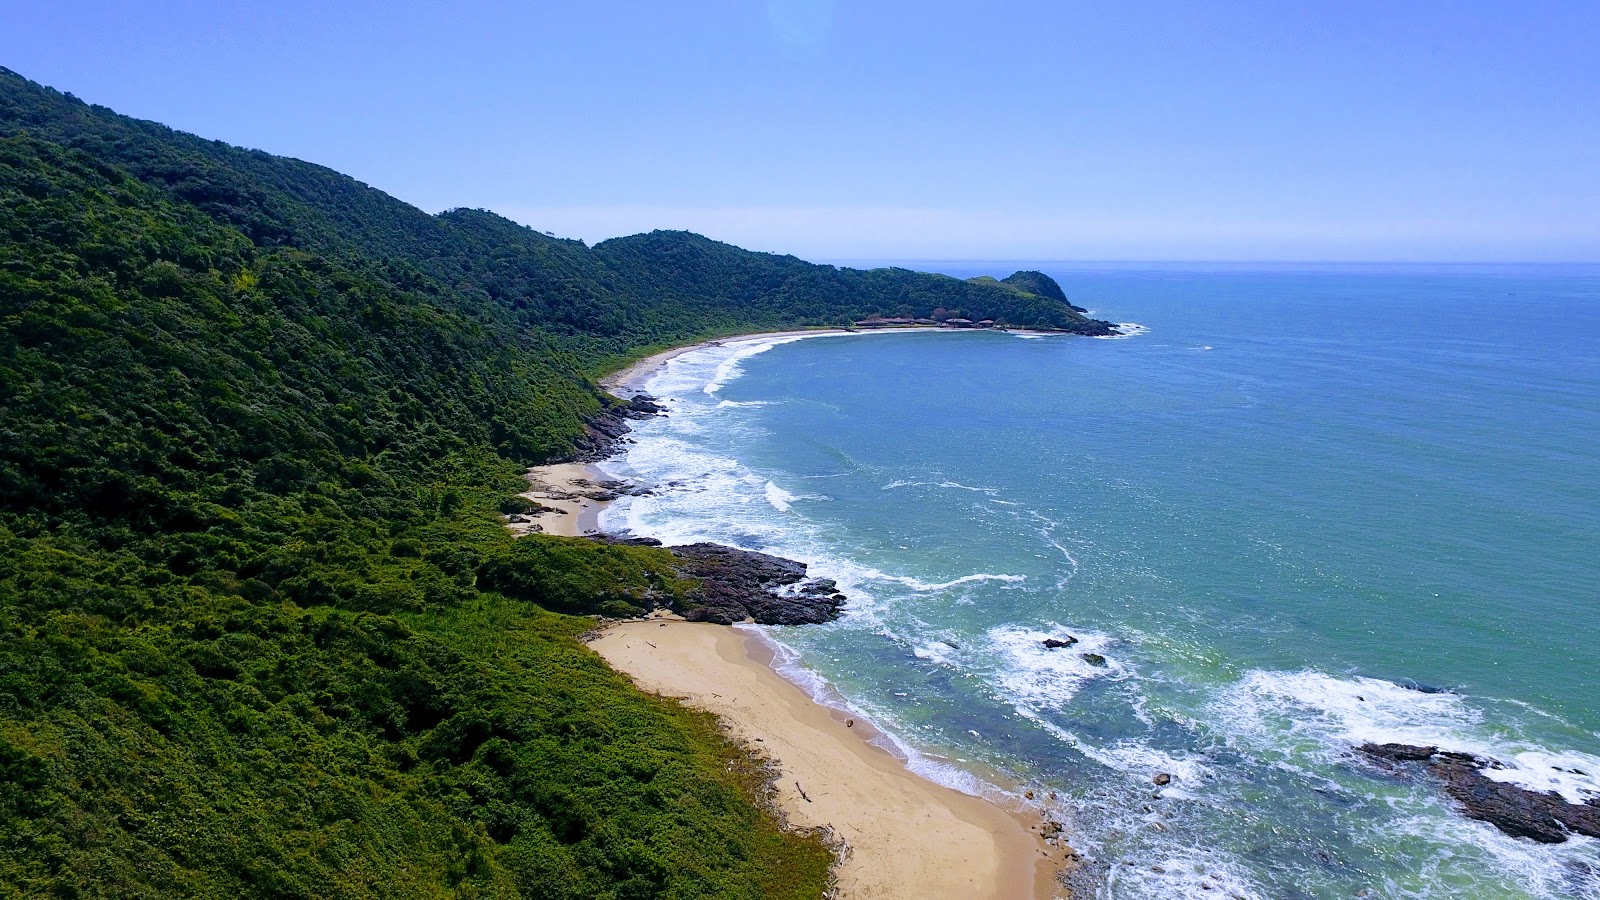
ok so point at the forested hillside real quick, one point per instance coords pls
(256, 419)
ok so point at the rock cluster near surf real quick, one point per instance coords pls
(745, 586)
(603, 432)
(1543, 816)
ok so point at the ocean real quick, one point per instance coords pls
(1297, 495)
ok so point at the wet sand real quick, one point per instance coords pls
(907, 837)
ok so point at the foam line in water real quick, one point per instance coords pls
(779, 498)
(1033, 677)
(1558, 872)
(917, 584)
(729, 367)
(1125, 330)
(1270, 709)
(953, 485)
(786, 662)
(1182, 872)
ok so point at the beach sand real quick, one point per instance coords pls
(631, 380)
(563, 488)
(908, 838)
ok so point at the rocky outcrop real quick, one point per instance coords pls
(604, 431)
(736, 585)
(1543, 816)
(742, 585)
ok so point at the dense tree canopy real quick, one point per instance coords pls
(261, 631)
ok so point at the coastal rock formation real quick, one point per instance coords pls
(1051, 643)
(736, 585)
(604, 431)
(1422, 687)
(743, 585)
(1543, 816)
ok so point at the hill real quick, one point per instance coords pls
(258, 420)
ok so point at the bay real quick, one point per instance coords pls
(1301, 493)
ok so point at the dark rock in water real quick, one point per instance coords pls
(643, 406)
(1542, 816)
(1095, 659)
(1399, 752)
(1162, 780)
(735, 585)
(739, 584)
(628, 541)
(1411, 684)
(1056, 643)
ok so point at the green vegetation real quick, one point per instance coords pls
(262, 633)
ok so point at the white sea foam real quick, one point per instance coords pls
(1575, 776)
(952, 485)
(779, 498)
(940, 652)
(788, 664)
(1033, 677)
(917, 584)
(1543, 870)
(735, 352)
(1124, 330)
(1182, 872)
(729, 368)
(1276, 710)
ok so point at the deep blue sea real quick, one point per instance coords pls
(1299, 489)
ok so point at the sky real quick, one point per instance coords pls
(836, 130)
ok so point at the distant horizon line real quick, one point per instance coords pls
(1010, 260)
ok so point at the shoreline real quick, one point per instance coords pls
(572, 495)
(631, 378)
(569, 498)
(914, 839)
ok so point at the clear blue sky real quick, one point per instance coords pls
(1314, 130)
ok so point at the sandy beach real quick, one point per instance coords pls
(631, 379)
(566, 494)
(908, 838)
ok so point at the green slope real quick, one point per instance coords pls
(247, 495)
(261, 631)
(613, 298)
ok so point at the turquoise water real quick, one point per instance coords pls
(1300, 487)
